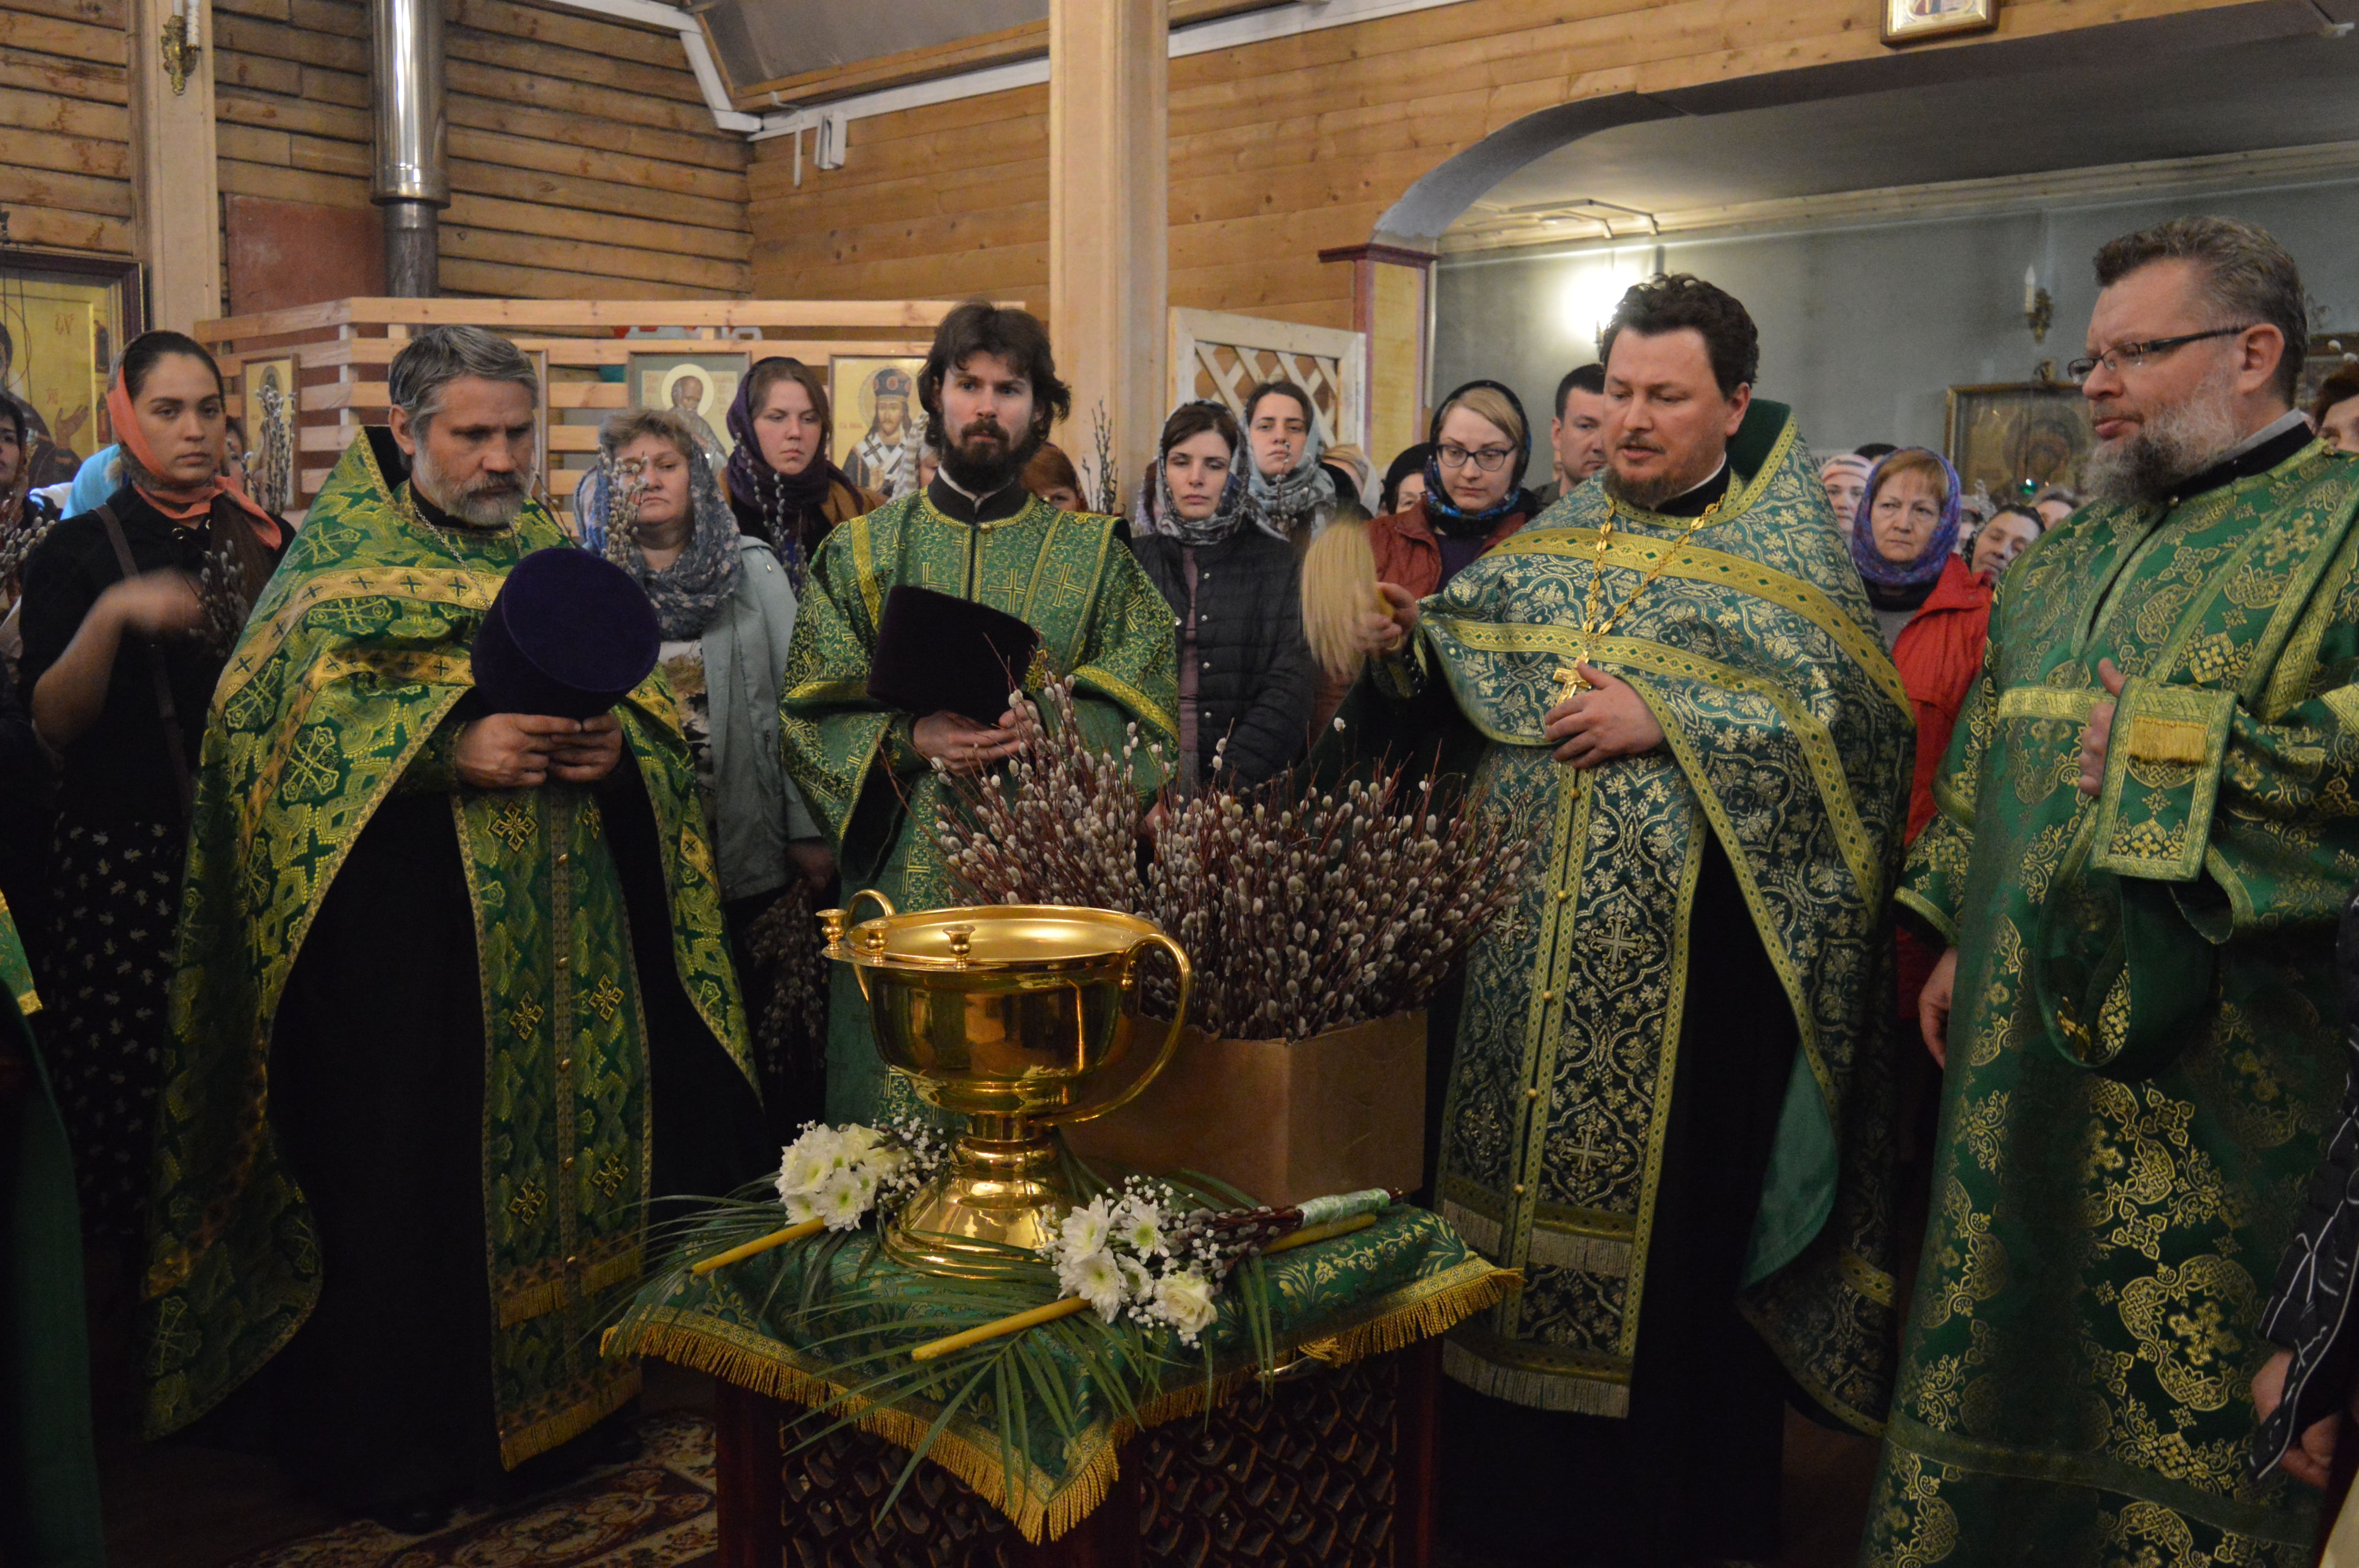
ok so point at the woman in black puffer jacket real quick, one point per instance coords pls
(1246, 679)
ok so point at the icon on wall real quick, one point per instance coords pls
(1908, 21)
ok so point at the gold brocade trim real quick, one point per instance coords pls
(1043, 1509)
(443, 585)
(1658, 1120)
(1130, 696)
(2289, 682)
(1867, 1278)
(1938, 919)
(1818, 746)
(2155, 739)
(864, 569)
(567, 1424)
(2072, 705)
(1738, 573)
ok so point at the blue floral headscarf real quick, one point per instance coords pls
(1927, 567)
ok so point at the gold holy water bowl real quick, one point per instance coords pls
(1014, 1018)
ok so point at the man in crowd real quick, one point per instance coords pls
(445, 975)
(1577, 434)
(2146, 838)
(990, 392)
(1711, 767)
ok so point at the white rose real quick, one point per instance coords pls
(1185, 1302)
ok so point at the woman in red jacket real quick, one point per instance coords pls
(1935, 617)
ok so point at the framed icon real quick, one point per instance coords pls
(63, 320)
(2014, 440)
(271, 391)
(1911, 21)
(879, 427)
(699, 387)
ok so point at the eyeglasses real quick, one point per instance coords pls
(1490, 460)
(2134, 355)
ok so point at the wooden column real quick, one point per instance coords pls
(175, 184)
(1108, 183)
(1391, 295)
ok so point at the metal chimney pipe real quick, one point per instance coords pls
(413, 180)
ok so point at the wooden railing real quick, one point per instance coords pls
(342, 349)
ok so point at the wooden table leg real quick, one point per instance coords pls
(1107, 1539)
(1417, 1473)
(748, 1474)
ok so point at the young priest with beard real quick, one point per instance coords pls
(1667, 1106)
(866, 766)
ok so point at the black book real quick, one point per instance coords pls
(938, 653)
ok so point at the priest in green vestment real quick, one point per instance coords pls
(1668, 1107)
(2147, 830)
(990, 392)
(453, 988)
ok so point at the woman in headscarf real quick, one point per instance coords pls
(1290, 493)
(128, 616)
(1405, 481)
(1934, 614)
(1245, 675)
(727, 614)
(1845, 478)
(784, 488)
(1473, 497)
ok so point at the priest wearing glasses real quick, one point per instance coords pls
(1668, 1107)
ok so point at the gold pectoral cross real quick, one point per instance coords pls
(1569, 681)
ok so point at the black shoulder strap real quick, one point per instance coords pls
(175, 745)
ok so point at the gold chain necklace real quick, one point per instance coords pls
(1596, 621)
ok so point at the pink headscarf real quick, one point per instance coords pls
(182, 504)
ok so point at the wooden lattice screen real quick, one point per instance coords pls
(1223, 357)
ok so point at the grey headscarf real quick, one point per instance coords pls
(1302, 498)
(689, 593)
(1158, 513)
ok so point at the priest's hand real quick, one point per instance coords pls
(962, 745)
(2099, 733)
(1609, 721)
(590, 752)
(1934, 1007)
(509, 750)
(1384, 629)
(2310, 1456)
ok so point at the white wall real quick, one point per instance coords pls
(1862, 330)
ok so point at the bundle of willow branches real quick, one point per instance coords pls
(1300, 913)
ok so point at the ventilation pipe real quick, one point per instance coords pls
(413, 178)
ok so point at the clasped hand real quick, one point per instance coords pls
(519, 750)
(1609, 721)
(962, 745)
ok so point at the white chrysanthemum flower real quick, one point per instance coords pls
(1085, 1229)
(1184, 1300)
(805, 1164)
(800, 1208)
(1138, 1284)
(1141, 1227)
(842, 1200)
(1096, 1278)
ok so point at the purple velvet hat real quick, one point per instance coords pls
(569, 636)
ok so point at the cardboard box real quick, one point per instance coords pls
(1282, 1122)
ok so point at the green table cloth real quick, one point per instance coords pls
(829, 1326)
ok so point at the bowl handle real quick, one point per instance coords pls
(832, 922)
(1170, 1038)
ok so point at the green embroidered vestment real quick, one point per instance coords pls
(2144, 1051)
(1101, 621)
(334, 699)
(1789, 737)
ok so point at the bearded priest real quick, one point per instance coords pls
(866, 700)
(2146, 838)
(454, 998)
(1668, 1106)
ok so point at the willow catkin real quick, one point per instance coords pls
(1339, 586)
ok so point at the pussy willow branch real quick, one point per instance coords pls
(1300, 915)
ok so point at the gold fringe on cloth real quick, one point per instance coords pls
(1547, 1391)
(542, 1435)
(1042, 1508)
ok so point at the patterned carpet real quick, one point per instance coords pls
(655, 1513)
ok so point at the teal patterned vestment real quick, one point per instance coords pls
(2144, 1052)
(1789, 737)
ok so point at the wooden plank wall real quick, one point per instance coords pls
(65, 170)
(583, 162)
(1281, 148)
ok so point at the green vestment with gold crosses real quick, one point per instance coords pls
(334, 702)
(2143, 1052)
(1066, 574)
(1789, 740)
